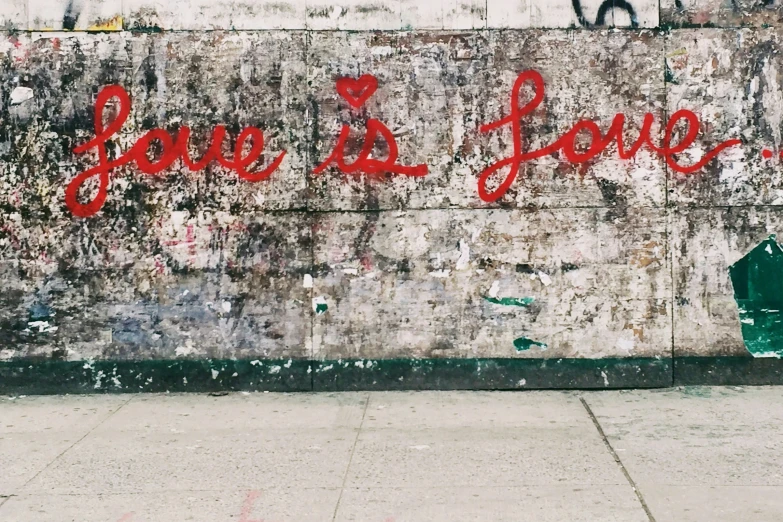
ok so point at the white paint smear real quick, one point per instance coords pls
(464, 255)
(20, 95)
(441, 273)
(186, 350)
(308, 281)
(43, 326)
(494, 289)
(625, 344)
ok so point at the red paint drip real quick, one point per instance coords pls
(598, 142)
(767, 153)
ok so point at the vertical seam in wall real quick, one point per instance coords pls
(668, 211)
(614, 6)
(309, 215)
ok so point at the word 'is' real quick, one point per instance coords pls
(249, 147)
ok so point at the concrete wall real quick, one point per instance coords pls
(591, 269)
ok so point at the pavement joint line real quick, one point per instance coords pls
(5, 498)
(63, 452)
(350, 459)
(616, 457)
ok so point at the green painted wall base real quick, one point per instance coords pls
(729, 371)
(492, 374)
(26, 377)
(48, 377)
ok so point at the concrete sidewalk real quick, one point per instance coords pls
(694, 454)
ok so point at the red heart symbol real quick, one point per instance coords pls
(358, 91)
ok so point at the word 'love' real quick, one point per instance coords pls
(172, 150)
(598, 142)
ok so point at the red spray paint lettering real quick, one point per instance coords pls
(598, 142)
(173, 149)
(356, 92)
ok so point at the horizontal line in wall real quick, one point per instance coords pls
(153, 30)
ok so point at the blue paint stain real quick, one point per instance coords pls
(40, 312)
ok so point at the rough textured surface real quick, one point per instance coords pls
(591, 252)
(423, 279)
(466, 79)
(356, 15)
(720, 13)
(692, 454)
(706, 243)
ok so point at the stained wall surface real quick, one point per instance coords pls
(377, 226)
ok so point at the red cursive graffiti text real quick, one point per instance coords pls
(356, 92)
(567, 143)
(173, 148)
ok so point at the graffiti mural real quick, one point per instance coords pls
(356, 92)
(603, 11)
(298, 190)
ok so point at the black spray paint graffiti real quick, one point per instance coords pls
(600, 18)
(72, 11)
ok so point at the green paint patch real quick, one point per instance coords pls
(511, 301)
(319, 305)
(757, 279)
(523, 343)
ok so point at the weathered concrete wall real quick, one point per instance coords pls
(588, 253)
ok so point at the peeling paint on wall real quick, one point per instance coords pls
(757, 279)
(511, 301)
